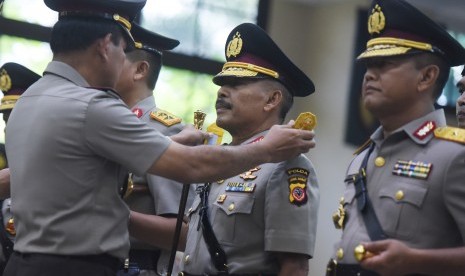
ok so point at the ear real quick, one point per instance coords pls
(142, 70)
(428, 76)
(274, 100)
(103, 45)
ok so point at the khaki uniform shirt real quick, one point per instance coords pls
(271, 208)
(68, 146)
(164, 194)
(420, 203)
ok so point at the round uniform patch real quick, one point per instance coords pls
(298, 194)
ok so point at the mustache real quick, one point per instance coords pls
(222, 104)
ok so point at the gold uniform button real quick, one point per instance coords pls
(231, 207)
(340, 254)
(399, 195)
(187, 259)
(181, 273)
(380, 161)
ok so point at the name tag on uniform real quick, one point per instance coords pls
(241, 187)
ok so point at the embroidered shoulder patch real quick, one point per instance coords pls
(453, 134)
(165, 117)
(298, 190)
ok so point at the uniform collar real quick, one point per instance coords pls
(146, 104)
(421, 130)
(66, 71)
(257, 137)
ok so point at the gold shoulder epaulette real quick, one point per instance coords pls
(453, 134)
(362, 147)
(165, 117)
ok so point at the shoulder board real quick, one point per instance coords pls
(362, 147)
(165, 117)
(453, 134)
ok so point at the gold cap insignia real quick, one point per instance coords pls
(234, 46)
(5, 81)
(305, 120)
(376, 21)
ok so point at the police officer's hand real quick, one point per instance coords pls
(390, 258)
(285, 142)
(5, 183)
(190, 136)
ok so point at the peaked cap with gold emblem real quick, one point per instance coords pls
(122, 12)
(398, 28)
(251, 53)
(14, 80)
(151, 41)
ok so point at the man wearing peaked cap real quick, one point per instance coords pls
(72, 134)
(403, 212)
(262, 221)
(460, 104)
(261, 58)
(14, 80)
(151, 198)
(121, 11)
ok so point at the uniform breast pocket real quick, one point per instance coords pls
(232, 217)
(400, 208)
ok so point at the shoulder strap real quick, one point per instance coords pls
(214, 248)
(451, 134)
(165, 117)
(375, 231)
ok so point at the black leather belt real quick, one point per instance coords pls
(335, 269)
(103, 259)
(226, 274)
(144, 259)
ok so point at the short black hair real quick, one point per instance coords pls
(424, 59)
(287, 99)
(155, 62)
(76, 33)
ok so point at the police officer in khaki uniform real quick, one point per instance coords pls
(460, 104)
(262, 221)
(403, 211)
(72, 134)
(14, 80)
(150, 194)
